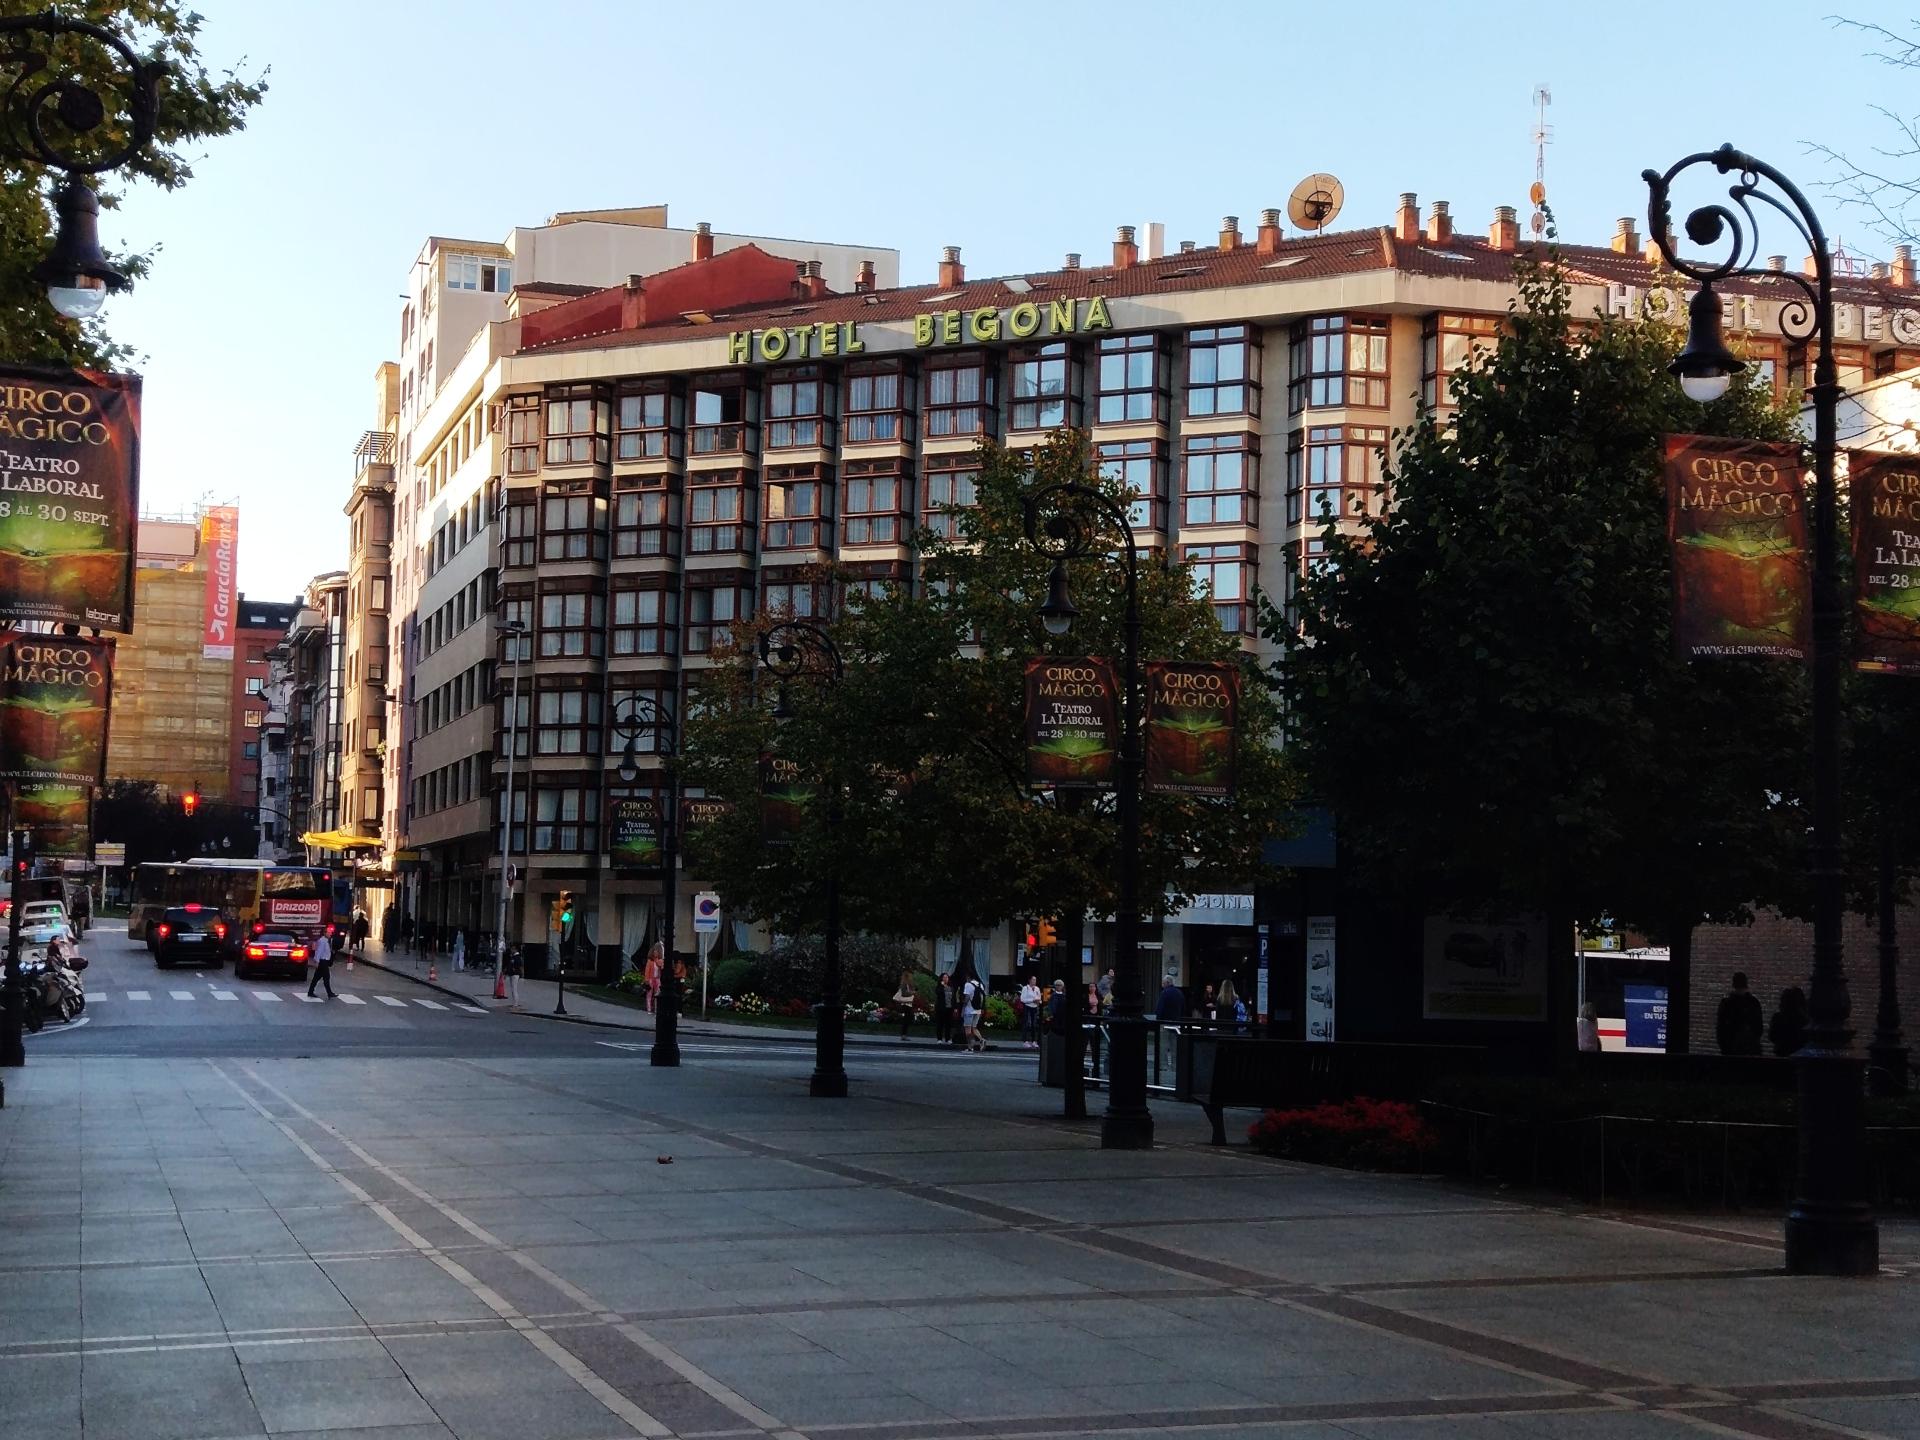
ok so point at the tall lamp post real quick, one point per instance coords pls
(51, 119)
(1830, 1227)
(802, 649)
(639, 716)
(515, 632)
(1057, 525)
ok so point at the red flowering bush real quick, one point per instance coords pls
(1360, 1134)
(796, 1009)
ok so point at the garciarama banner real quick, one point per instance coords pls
(1738, 530)
(1885, 504)
(69, 495)
(635, 841)
(219, 554)
(1072, 723)
(55, 695)
(1192, 716)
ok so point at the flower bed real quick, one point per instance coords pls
(1359, 1134)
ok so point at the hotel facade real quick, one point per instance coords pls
(630, 469)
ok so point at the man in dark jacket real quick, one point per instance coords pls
(1740, 1025)
(1172, 1007)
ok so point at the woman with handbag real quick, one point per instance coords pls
(904, 1000)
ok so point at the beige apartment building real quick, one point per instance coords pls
(674, 450)
(461, 316)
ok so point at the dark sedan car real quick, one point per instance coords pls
(195, 934)
(273, 950)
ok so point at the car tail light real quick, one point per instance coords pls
(299, 952)
(191, 909)
(256, 952)
(163, 931)
(219, 932)
(258, 926)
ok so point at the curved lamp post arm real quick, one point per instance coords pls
(36, 97)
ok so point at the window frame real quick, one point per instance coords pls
(798, 429)
(873, 424)
(861, 519)
(1235, 614)
(1050, 362)
(737, 436)
(576, 722)
(582, 439)
(1245, 493)
(663, 625)
(1148, 512)
(1356, 452)
(1154, 397)
(1235, 395)
(698, 627)
(942, 419)
(654, 529)
(1321, 374)
(662, 439)
(783, 528)
(733, 534)
(583, 507)
(572, 638)
(1477, 334)
(952, 470)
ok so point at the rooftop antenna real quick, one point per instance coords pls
(1542, 137)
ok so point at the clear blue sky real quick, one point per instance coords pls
(1017, 131)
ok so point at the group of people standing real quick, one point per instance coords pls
(958, 1008)
(1739, 1024)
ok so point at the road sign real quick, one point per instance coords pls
(706, 913)
(108, 853)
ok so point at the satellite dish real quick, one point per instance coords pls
(1537, 193)
(1314, 202)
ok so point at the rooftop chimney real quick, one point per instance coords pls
(1651, 252)
(800, 280)
(703, 241)
(1504, 233)
(1439, 224)
(1811, 265)
(1229, 234)
(952, 272)
(1777, 264)
(863, 282)
(814, 283)
(1626, 239)
(1073, 260)
(1406, 220)
(1877, 270)
(1903, 267)
(1268, 241)
(1186, 247)
(1126, 254)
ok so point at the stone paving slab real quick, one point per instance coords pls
(369, 1250)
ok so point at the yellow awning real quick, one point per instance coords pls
(338, 840)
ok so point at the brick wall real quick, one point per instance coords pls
(1777, 952)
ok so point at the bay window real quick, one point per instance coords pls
(1451, 343)
(566, 815)
(790, 599)
(951, 486)
(799, 409)
(875, 502)
(1336, 472)
(1220, 481)
(1046, 387)
(711, 612)
(647, 423)
(568, 721)
(722, 418)
(1223, 371)
(879, 405)
(523, 434)
(960, 397)
(517, 543)
(646, 517)
(1132, 380)
(1224, 575)
(572, 624)
(798, 508)
(645, 622)
(573, 523)
(720, 512)
(623, 708)
(576, 426)
(1336, 360)
(1140, 465)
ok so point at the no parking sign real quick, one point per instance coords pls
(706, 913)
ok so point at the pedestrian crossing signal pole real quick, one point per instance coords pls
(563, 915)
(13, 1045)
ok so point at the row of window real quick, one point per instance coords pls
(468, 606)
(455, 533)
(455, 784)
(456, 697)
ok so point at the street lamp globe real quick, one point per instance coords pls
(629, 770)
(1704, 366)
(1059, 612)
(76, 271)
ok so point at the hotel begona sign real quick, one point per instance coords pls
(982, 326)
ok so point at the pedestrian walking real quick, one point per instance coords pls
(1105, 988)
(389, 927)
(1172, 1006)
(903, 1001)
(361, 929)
(512, 965)
(973, 1001)
(459, 950)
(654, 975)
(1586, 1028)
(1030, 1012)
(1229, 1009)
(1739, 1025)
(1789, 1029)
(943, 1009)
(322, 964)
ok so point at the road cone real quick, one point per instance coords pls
(433, 972)
(499, 982)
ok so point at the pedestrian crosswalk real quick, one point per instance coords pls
(275, 997)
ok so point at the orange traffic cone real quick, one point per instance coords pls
(433, 971)
(500, 982)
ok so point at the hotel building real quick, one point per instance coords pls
(668, 454)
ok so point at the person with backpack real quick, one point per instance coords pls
(973, 1003)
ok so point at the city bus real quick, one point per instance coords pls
(255, 896)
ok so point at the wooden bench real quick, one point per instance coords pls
(1222, 1071)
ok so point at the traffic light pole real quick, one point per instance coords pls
(560, 958)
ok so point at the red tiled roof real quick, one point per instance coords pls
(1307, 257)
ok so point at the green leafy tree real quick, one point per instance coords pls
(195, 105)
(1483, 682)
(919, 753)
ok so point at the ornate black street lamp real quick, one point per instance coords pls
(1830, 1227)
(795, 650)
(1057, 525)
(640, 716)
(61, 122)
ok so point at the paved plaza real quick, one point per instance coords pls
(524, 1232)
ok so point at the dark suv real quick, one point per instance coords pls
(193, 933)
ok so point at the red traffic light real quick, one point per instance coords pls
(189, 803)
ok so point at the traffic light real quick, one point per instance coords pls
(189, 802)
(1033, 936)
(22, 866)
(1045, 933)
(562, 914)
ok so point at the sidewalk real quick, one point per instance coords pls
(537, 999)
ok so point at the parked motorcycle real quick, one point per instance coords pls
(53, 986)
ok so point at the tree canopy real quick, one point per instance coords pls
(1483, 682)
(195, 105)
(921, 743)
